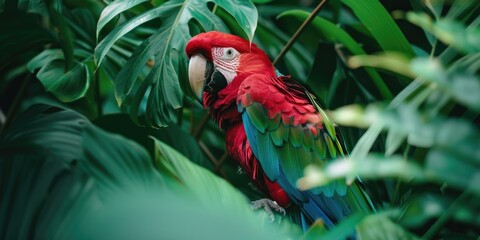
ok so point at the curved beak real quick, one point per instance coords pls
(197, 74)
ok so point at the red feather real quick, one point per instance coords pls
(258, 88)
(255, 75)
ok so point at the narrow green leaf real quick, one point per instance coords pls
(372, 166)
(113, 10)
(381, 25)
(343, 230)
(394, 140)
(460, 84)
(330, 32)
(394, 62)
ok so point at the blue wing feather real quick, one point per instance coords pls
(312, 208)
(283, 149)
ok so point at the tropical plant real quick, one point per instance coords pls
(100, 136)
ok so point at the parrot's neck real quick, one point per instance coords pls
(222, 106)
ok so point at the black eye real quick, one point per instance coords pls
(229, 53)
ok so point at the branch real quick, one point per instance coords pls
(299, 31)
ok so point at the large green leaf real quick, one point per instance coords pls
(175, 136)
(165, 47)
(196, 178)
(63, 178)
(34, 128)
(213, 191)
(38, 156)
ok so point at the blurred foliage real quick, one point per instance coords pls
(85, 86)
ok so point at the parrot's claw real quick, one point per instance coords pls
(268, 205)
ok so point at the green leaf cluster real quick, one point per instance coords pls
(67, 178)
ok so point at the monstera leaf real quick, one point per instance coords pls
(67, 72)
(163, 50)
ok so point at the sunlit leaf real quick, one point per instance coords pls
(466, 39)
(390, 61)
(372, 166)
(462, 85)
(394, 140)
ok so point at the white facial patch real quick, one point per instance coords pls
(226, 61)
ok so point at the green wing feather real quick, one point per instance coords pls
(283, 147)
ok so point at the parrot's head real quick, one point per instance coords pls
(219, 62)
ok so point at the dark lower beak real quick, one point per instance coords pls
(203, 77)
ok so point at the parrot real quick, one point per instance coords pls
(273, 127)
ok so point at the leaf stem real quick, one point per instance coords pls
(215, 7)
(215, 162)
(16, 102)
(97, 94)
(220, 162)
(298, 32)
(197, 132)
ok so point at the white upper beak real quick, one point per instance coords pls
(196, 75)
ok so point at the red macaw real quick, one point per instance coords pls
(273, 126)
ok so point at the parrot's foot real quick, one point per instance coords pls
(268, 205)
